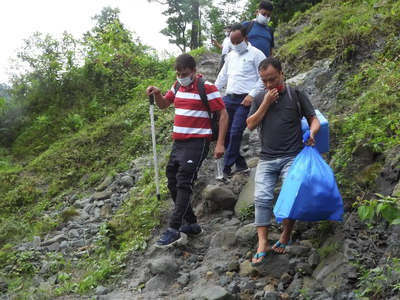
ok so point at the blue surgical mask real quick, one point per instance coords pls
(185, 81)
(241, 48)
(262, 20)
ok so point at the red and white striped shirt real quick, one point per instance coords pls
(191, 117)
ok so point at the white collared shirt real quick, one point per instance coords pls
(240, 72)
(226, 45)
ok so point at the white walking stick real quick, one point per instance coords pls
(153, 134)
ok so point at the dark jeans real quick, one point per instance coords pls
(184, 162)
(237, 124)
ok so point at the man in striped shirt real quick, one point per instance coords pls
(192, 135)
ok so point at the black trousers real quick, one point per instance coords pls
(184, 162)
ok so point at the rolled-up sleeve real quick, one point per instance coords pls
(258, 86)
(222, 78)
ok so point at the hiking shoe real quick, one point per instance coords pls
(168, 238)
(191, 229)
(239, 170)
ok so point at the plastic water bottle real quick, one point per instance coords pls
(218, 168)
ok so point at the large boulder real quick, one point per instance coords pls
(165, 266)
(221, 196)
(207, 65)
(246, 197)
(211, 293)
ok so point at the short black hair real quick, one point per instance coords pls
(270, 61)
(239, 27)
(266, 5)
(184, 61)
(228, 27)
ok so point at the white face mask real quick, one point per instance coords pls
(262, 20)
(241, 48)
(226, 34)
(185, 81)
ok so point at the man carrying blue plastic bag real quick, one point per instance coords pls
(310, 192)
(281, 140)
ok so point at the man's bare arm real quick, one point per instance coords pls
(159, 98)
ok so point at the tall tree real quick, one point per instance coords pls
(3, 91)
(249, 10)
(217, 16)
(183, 14)
(284, 10)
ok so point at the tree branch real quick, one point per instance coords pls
(158, 1)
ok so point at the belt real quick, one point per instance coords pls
(237, 95)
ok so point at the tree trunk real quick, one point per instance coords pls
(200, 42)
(194, 38)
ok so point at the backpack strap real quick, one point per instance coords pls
(297, 103)
(271, 32)
(250, 24)
(248, 27)
(203, 95)
(177, 86)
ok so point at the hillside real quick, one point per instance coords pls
(79, 141)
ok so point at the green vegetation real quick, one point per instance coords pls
(324, 252)
(376, 283)
(324, 229)
(338, 29)
(283, 11)
(246, 213)
(69, 127)
(367, 113)
(81, 114)
(386, 207)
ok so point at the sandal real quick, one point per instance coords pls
(280, 245)
(264, 255)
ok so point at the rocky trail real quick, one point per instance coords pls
(322, 264)
(216, 265)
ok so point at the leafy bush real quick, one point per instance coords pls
(376, 283)
(386, 207)
(246, 213)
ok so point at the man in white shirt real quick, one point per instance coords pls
(243, 82)
(225, 47)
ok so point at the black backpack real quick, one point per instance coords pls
(214, 118)
(250, 24)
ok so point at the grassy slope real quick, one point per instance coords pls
(77, 164)
(336, 29)
(367, 110)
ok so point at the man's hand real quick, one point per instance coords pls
(271, 96)
(158, 97)
(311, 141)
(247, 101)
(219, 151)
(152, 90)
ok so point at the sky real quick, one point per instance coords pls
(21, 18)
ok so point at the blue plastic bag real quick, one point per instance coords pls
(309, 192)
